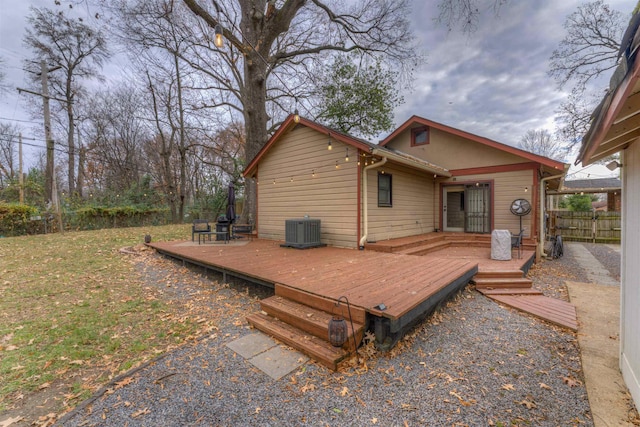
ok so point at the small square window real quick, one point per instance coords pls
(420, 136)
(384, 190)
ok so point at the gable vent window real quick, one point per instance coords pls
(384, 190)
(420, 136)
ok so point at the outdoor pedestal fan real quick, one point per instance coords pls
(520, 207)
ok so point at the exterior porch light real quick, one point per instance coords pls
(613, 165)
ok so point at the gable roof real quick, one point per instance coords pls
(417, 120)
(615, 123)
(357, 143)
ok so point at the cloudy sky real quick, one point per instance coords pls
(492, 83)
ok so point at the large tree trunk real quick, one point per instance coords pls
(71, 177)
(81, 161)
(255, 123)
(182, 149)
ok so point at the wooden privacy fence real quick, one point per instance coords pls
(585, 226)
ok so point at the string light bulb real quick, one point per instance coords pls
(329, 146)
(218, 41)
(296, 116)
(346, 157)
(337, 165)
(526, 189)
(313, 174)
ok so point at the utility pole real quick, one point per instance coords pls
(51, 191)
(49, 169)
(20, 176)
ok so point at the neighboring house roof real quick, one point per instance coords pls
(616, 123)
(589, 186)
(417, 120)
(360, 144)
(601, 184)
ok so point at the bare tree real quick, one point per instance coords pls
(75, 48)
(3, 87)
(8, 152)
(273, 38)
(466, 13)
(590, 47)
(541, 142)
(116, 137)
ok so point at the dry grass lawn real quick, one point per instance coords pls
(75, 312)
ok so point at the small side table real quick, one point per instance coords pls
(206, 235)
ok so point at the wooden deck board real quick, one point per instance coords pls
(553, 310)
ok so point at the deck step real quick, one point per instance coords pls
(509, 291)
(422, 249)
(308, 319)
(325, 304)
(509, 282)
(320, 350)
(499, 274)
(552, 310)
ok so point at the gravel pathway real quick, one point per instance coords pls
(607, 256)
(473, 363)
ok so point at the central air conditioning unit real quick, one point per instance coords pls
(302, 233)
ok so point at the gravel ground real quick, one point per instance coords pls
(472, 363)
(609, 258)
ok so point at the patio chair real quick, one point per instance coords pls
(516, 242)
(200, 226)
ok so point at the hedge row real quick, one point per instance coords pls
(17, 220)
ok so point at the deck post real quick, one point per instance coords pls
(381, 330)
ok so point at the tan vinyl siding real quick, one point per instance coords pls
(506, 186)
(413, 204)
(454, 152)
(330, 196)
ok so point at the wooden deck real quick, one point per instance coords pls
(366, 278)
(390, 288)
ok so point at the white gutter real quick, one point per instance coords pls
(365, 210)
(542, 209)
(411, 162)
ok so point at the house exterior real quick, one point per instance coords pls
(425, 177)
(615, 128)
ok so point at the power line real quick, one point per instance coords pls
(21, 121)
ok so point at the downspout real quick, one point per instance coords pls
(365, 208)
(542, 211)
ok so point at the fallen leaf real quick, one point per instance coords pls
(9, 421)
(528, 404)
(544, 386)
(140, 412)
(508, 387)
(344, 392)
(571, 382)
(374, 420)
(124, 382)
(43, 386)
